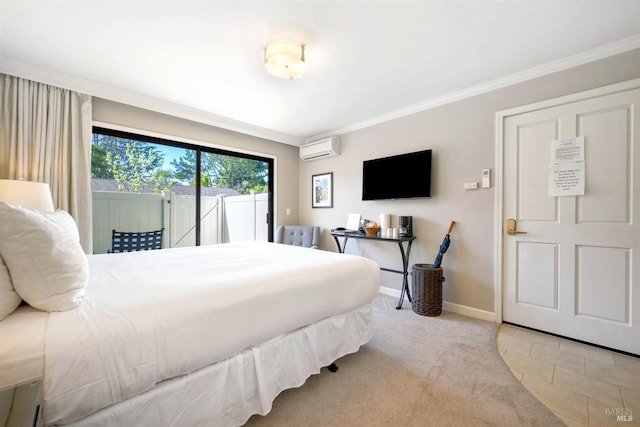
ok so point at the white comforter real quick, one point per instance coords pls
(151, 316)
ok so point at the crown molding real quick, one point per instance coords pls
(592, 55)
(112, 93)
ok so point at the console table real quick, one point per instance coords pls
(401, 241)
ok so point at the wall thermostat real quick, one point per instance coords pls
(486, 178)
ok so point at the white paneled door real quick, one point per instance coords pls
(576, 271)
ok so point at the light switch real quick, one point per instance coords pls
(471, 185)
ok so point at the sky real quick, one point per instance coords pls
(170, 153)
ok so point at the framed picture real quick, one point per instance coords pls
(322, 190)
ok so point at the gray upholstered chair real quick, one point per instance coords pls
(298, 235)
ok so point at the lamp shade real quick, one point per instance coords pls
(285, 59)
(27, 194)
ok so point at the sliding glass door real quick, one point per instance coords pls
(198, 195)
(239, 186)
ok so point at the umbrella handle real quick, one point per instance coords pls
(451, 227)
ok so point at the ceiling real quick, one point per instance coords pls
(368, 61)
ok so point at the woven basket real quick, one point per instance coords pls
(426, 290)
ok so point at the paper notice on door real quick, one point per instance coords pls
(566, 179)
(567, 150)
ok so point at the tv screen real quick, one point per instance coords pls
(397, 177)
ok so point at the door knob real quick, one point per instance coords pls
(512, 228)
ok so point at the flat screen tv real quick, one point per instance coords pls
(397, 177)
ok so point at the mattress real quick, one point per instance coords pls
(22, 346)
(148, 317)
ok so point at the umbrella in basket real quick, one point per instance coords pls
(444, 246)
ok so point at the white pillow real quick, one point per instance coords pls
(42, 251)
(9, 299)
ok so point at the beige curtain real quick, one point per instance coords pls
(45, 136)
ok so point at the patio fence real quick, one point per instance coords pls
(222, 218)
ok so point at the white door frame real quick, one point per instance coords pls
(499, 160)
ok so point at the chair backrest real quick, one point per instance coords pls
(130, 241)
(298, 235)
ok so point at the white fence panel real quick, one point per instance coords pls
(211, 220)
(262, 208)
(182, 228)
(224, 219)
(246, 217)
(123, 212)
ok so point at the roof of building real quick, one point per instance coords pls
(99, 184)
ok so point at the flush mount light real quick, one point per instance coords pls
(284, 59)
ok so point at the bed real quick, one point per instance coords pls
(189, 336)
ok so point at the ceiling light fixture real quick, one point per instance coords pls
(284, 59)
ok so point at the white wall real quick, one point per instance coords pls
(462, 137)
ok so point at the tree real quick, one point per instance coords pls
(218, 170)
(241, 174)
(134, 164)
(99, 167)
(163, 180)
(185, 169)
(185, 166)
(111, 144)
(137, 166)
(101, 145)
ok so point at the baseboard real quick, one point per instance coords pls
(389, 291)
(465, 310)
(449, 306)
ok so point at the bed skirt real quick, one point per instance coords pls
(229, 392)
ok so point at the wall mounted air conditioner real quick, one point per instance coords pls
(320, 149)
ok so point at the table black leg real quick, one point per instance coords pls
(405, 260)
(337, 243)
(342, 247)
(405, 274)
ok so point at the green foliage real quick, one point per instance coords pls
(111, 144)
(246, 176)
(243, 175)
(137, 167)
(99, 167)
(185, 167)
(162, 179)
(135, 164)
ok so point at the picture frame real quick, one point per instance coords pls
(322, 190)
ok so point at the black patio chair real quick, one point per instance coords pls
(130, 241)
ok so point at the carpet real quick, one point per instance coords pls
(415, 371)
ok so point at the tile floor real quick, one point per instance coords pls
(581, 384)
